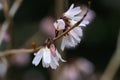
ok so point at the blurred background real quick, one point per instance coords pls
(87, 61)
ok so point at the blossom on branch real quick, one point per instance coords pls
(50, 57)
(67, 21)
(70, 24)
(59, 24)
(72, 38)
(72, 13)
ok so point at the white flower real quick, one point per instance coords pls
(72, 13)
(49, 56)
(59, 24)
(71, 16)
(72, 38)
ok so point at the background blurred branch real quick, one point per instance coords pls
(6, 8)
(114, 63)
(9, 15)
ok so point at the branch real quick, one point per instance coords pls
(15, 51)
(7, 22)
(5, 4)
(114, 63)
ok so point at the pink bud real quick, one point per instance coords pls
(52, 49)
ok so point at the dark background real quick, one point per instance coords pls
(100, 37)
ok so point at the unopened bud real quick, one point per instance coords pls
(34, 45)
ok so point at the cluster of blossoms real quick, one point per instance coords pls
(48, 53)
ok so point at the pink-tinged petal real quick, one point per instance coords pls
(75, 11)
(52, 49)
(59, 24)
(72, 12)
(77, 18)
(55, 61)
(62, 24)
(71, 7)
(47, 56)
(37, 58)
(74, 35)
(78, 31)
(55, 25)
(53, 65)
(45, 64)
(69, 41)
(59, 56)
(90, 16)
(72, 42)
(84, 23)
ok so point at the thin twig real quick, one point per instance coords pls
(16, 51)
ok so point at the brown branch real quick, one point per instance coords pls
(15, 51)
(5, 8)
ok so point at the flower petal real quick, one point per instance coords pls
(72, 12)
(72, 5)
(84, 23)
(60, 24)
(59, 56)
(75, 11)
(77, 18)
(74, 35)
(47, 56)
(70, 41)
(45, 64)
(53, 65)
(37, 58)
(78, 31)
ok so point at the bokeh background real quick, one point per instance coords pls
(97, 46)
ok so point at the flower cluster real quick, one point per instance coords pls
(68, 20)
(48, 53)
(50, 57)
